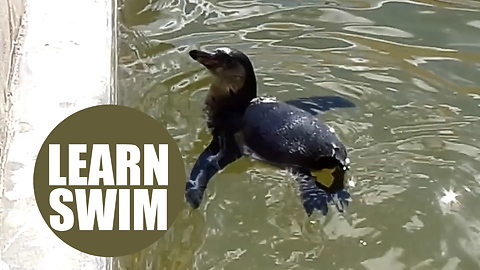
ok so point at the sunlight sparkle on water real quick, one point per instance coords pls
(449, 196)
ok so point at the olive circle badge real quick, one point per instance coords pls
(109, 180)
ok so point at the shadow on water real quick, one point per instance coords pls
(410, 68)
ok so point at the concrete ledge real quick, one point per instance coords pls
(64, 65)
(11, 35)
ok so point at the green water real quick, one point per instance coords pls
(413, 70)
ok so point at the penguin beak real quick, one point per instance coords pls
(209, 60)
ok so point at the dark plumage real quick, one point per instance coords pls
(275, 132)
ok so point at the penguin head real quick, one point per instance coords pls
(232, 70)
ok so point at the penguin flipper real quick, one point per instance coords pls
(318, 104)
(221, 151)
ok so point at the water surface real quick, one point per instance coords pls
(412, 69)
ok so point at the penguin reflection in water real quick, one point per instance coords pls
(281, 134)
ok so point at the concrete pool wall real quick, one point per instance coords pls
(57, 57)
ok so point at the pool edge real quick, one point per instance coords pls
(60, 67)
